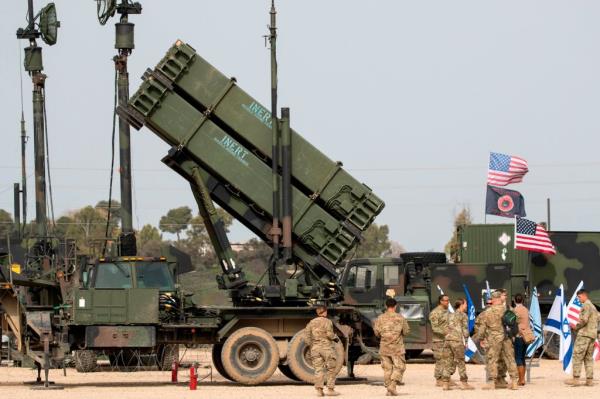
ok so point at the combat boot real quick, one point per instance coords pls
(574, 382)
(332, 392)
(464, 385)
(452, 383)
(500, 383)
(446, 386)
(320, 392)
(391, 389)
(489, 386)
(589, 382)
(513, 384)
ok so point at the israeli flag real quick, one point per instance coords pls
(566, 342)
(535, 322)
(554, 321)
(470, 350)
(471, 309)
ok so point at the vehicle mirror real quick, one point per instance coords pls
(84, 278)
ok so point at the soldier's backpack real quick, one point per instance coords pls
(510, 324)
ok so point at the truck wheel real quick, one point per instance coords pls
(167, 354)
(299, 358)
(85, 361)
(217, 349)
(285, 370)
(250, 355)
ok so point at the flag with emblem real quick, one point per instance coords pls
(535, 322)
(574, 307)
(503, 202)
(532, 237)
(566, 342)
(505, 169)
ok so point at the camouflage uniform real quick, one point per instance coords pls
(391, 327)
(320, 338)
(498, 346)
(584, 342)
(499, 380)
(453, 354)
(438, 318)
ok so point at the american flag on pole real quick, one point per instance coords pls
(532, 237)
(505, 169)
(574, 307)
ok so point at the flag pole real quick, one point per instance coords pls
(548, 212)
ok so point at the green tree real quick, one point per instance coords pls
(375, 242)
(176, 221)
(197, 243)
(461, 218)
(6, 223)
(149, 241)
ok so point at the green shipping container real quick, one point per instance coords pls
(492, 243)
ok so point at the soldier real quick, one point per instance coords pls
(391, 327)
(498, 346)
(438, 318)
(320, 338)
(453, 353)
(587, 331)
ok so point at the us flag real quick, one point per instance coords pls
(574, 307)
(596, 354)
(532, 237)
(505, 169)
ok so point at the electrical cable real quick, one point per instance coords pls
(112, 165)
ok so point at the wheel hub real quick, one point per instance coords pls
(250, 355)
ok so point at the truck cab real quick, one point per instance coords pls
(368, 282)
(131, 272)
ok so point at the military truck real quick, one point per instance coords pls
(577, 258)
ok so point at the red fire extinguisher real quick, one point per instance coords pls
(174, 371)
(193, 377)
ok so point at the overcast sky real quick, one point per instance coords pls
(410, 95)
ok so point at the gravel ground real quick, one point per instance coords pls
(547, 380)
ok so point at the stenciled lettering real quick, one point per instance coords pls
(259, 113)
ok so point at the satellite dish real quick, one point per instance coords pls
(49, 24)
(106, 9)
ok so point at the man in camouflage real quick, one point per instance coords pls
(320, 338)
(391, 328)
(490, 332)
(453, 353)
(587, 332)
(438, 318)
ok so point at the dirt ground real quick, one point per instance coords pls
(546, 379)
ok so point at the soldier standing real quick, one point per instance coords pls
(453, 353)
(587, 331)
(498, 346)
(438, 318)
(391, 327)
(320, 338)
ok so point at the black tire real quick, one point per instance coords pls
(85, 361)
(299, 358)
(217, 362)
(167, 354)
(250, 355)
(424, 257)
(285, 370)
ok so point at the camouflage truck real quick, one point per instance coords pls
(577, 258)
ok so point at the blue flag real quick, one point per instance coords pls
(470, 309)
(535, 322)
